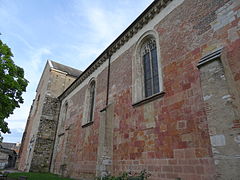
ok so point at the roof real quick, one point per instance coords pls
(8, 145)
(69, 70)
(7, 150)
(61, 68)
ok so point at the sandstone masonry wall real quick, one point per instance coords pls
(39, 135)
(169, 136)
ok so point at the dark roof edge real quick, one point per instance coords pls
(49, 62)
(63, 72)
(6, 150)
(210, 57)
(65, 69)
(149, 13)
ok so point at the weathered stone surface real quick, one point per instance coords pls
(105, 145)
(220, 116)
(42, 120)
(168, 136)
(190, 132)
(44, 144)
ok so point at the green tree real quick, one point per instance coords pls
(12, 85)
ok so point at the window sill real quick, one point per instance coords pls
(87, 124)
(61, 134)
(149, 99)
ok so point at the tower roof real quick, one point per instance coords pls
(69, 70)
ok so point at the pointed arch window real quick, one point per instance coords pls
(150, 67)
(91, 101)
(147, 82)
(65, 114)
(88, 114)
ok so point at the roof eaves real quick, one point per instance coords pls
(149, 13)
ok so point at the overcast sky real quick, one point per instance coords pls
(72, 32)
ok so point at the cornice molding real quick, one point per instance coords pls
(136, 26)
(210, 57)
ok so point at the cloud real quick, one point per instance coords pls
(24, 41)
(32, 74)
(93, 27)
(9, 11)
(96, 24)
(17, 121)
(102, 24)
(27, 56)
(14, 137)
(31, 59)
(79, 31)
(36, 58)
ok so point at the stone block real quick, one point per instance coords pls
(218, 140)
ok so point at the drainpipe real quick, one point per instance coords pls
(103, 125)
(108, 78)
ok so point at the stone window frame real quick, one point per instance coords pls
(61, 126)
(138, 88)
(63, 118)
(88, 119)
(65, 111)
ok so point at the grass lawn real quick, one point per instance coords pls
(37, 176)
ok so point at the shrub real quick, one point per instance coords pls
(143, 175)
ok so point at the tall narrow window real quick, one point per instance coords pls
(88, 113)
(91, 101)
(150, 67)
(65, 114)
(147, 81)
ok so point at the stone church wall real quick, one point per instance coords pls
(42, 152)
(75, 152)
(174, 135)
(30, 132)
(42, 120)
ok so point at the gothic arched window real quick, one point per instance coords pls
(91, 101)
(65, 114)
(88, 114)
(150, 67)
(147, 83)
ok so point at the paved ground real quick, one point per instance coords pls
(10, 171)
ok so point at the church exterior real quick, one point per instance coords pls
(164, 97)
(38, 138)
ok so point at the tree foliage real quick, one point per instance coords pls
(12, 85)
